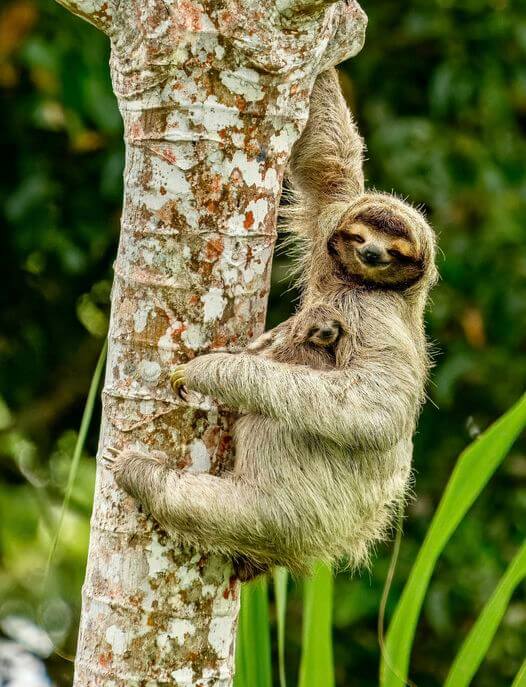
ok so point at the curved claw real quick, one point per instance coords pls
(178, 378)
(183, 393)
(110, 455)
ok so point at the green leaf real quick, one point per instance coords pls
(478, 641)
(77, 453)
(316, 666)
(520, 678)
(473, 470)
(253, 662)
(281, 577)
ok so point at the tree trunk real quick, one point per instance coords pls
(213, 95)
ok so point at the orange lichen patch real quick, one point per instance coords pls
(220, 340)
(250, 255)
(134, 131)
(168, 155)
(249, 219)
(211, 438)
(214, 249)
(230, 591)
(192, 16)
(105, 659)
(170, 215)
(215, 184)
(241, 103)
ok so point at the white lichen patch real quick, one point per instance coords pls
(271, 181)
(147, 407)
(117, 639)
(194, 337)
(214, 115)
(249, 168)
(214, 304)
(183, 677)
(200, 457)
(221, 629)
(140, 317)
(158, 562)
(150, 371)
(282, 142)
(179, 629)
(187, 576)
(170, 177)
(244, 82)
(256, 213)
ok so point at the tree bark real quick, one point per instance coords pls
(213, 95)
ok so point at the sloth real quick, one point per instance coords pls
(323, 450)
(310, 337)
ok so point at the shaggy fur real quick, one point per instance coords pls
(323, 451)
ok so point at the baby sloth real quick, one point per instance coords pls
(324, 444)
(310, 338)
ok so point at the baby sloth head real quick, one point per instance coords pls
(382, 242)
(324, 334)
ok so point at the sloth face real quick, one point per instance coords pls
(382, 254)
(324, 334)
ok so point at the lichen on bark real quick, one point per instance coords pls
(213, 95)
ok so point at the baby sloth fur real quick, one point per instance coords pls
(323, 449)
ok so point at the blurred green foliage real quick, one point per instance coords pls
(440, 95)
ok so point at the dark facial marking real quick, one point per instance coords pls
(384, 221)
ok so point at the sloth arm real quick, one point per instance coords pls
(370, 405)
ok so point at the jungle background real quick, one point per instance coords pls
(440, 96)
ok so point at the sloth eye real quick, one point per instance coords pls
(399, 256)
(357, 238)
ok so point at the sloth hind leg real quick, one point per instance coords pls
(225, 514)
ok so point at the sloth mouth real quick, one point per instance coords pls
(374, 265)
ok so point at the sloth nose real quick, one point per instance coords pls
(371, 254)
(326, 333)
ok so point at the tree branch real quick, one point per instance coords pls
(96, 12)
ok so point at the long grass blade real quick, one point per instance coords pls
(253, 661)
(520, 678)
(316, 667)
(77, 452)
(477, 643)
(474, 468)
(281, 577)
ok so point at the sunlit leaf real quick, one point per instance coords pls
(77, 453)
(253, 662)
(316, 668)
(477, 643)
(281, 577)
(474, 468)
(520, 678)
